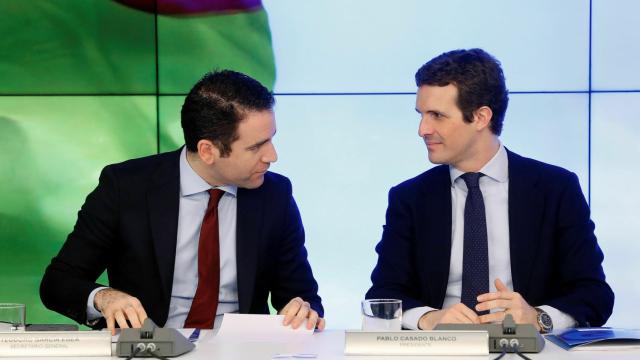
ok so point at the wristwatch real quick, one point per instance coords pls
(544, 321)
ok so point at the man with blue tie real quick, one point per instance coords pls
(488, 232)
(188, 235)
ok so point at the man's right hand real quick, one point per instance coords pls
(117, 306)
(456, 314)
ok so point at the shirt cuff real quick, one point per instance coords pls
(411, 317)
(92, 313)
(560, 320)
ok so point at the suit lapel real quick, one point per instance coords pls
(248, 230)
(526, 205)
(163, 200)
(436, 204)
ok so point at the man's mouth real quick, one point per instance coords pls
(432, 143)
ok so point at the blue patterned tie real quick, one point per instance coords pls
(475, 260)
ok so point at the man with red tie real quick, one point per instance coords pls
(189, 235)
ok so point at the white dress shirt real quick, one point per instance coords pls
(495, 193)
(194, 198)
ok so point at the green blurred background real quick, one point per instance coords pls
(86, 83)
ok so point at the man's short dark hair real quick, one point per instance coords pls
(215, 106)
(478, 77)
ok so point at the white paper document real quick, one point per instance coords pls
(260, 327)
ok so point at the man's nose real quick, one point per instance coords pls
(425, 127)
(271, 155)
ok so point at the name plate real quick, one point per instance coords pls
(55, 343)
(407, 342)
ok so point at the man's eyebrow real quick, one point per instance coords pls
(258, 144)
(433, 111)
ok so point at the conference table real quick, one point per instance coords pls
(329, 345)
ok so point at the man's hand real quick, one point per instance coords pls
(512, 302)
(297, 310)
(456, 314)
(119, 307)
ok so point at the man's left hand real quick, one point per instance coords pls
(295, 313)
(511, 302)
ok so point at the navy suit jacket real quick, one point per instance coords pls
(555, 258)
(128, 225)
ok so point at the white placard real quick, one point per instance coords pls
(55, 343)
(435, 342)
(263, 327)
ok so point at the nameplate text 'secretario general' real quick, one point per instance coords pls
(55, 343)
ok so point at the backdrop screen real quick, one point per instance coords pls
(102, 81)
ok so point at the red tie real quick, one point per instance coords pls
(205, 303)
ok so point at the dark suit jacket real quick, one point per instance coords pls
(128, 226)
(555, 258)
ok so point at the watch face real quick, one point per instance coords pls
(545, 321)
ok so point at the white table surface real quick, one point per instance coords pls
(329, 345)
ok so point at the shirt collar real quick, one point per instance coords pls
(191, 183)
(497, 168)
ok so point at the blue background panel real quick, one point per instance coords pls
(376, 46)
(343, 153)
(615, 197)
(553, 128)
(616, 45)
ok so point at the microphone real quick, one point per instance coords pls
(152, 341)
(508, 336)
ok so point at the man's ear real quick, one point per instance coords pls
(208, 151)
(482, 117)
